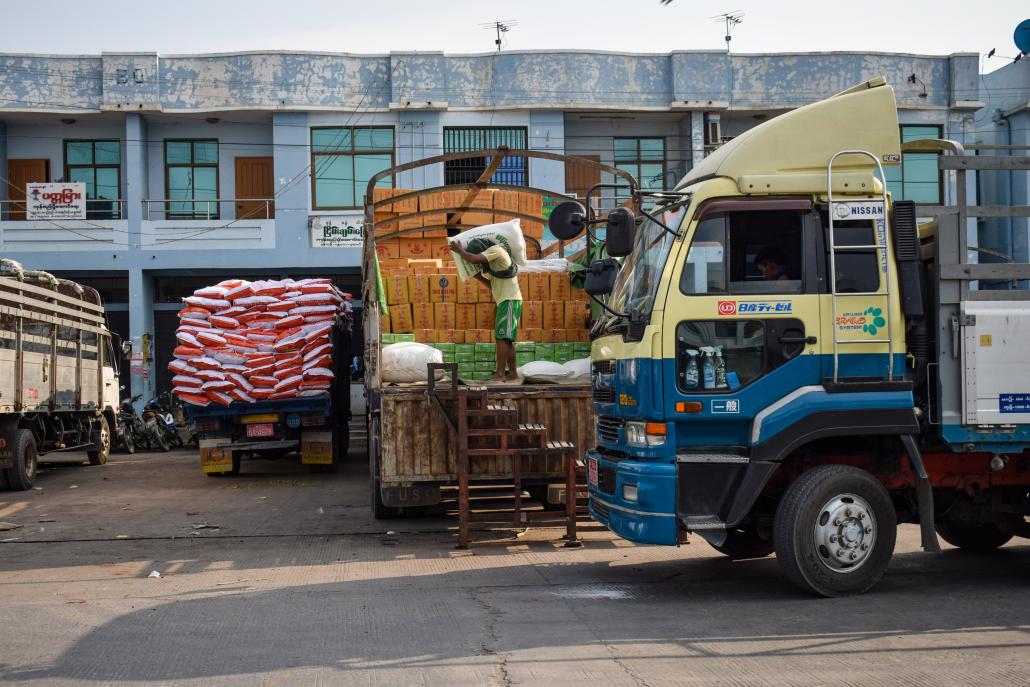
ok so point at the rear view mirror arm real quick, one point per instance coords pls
(659, 222)
(621, 315)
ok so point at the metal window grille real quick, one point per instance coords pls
(513, 170)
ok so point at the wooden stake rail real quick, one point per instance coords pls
(482, 426)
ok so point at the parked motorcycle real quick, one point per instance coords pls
(130, 427)
(165, 422)
(153, 430)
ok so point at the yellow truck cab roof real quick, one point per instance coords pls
(789, 154)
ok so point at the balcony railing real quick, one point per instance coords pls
(208, 208)
(99, 210)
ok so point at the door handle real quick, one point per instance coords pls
(798, 339)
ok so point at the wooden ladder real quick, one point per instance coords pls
(484, 427)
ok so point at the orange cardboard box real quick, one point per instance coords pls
(539, 287)
(479, 336)
(384, 323)
(404, 206)
(554, 336)
(477, 219)
(400, 319)
(485, 294)
(576, 314)
(423, 262)
(444, 315)
(407, 222)
(532, 315)
(561, 286)
(422, 316)
(450, 335)
(485, 313)
(441, 250)
(396, 286)
(505, 200)
(450, 269)
(425, 335)
(416, 248)
(385, 223)
(468, 291)
(435, 219)
(443, 288)
(533, 230)
(388, 249)
(418, 289)
(531, 204)
(380, 194)
(554, 314)
(524, 284)
(484, 199)
(523, 335)
(580, 295)
(578, 335)
(464, 316)
(530, 334)
(425, 270)
(392, 265)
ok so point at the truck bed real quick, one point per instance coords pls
(316, 404)
(416, 446)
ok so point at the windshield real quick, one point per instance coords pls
(637, 283)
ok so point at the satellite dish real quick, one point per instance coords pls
(1022, 36)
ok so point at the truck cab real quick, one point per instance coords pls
(765, 369)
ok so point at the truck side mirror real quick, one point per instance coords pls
(566, 220)
(601, 275)
(621, 231)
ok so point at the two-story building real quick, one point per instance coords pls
(204, 167)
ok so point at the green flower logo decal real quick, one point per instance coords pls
(875, 321)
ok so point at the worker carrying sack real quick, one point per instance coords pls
(478, 245)
(507, 234)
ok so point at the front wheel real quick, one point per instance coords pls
(976, 537)
(102, 445)
(835, 530)
(128, 439)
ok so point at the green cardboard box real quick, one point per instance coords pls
(462, 357)
(525, 347)
(523, 358)
(397, 338)
(466, 370)
(544, 352)
(489, 367)
(582, 350)
(445, 348)
(485, 352)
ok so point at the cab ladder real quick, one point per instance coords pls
(882, 259)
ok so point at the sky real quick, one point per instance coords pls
(378, 26)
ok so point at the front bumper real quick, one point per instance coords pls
(651, 519)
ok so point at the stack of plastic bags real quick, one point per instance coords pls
(243, 341)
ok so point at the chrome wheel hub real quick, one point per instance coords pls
(845, 532)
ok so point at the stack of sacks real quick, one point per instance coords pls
(248, 341)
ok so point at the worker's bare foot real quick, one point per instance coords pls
(512, 377)
(496, 377)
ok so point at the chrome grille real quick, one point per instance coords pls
(604, 367)
(608, 429)
(606, 479)
(604, 395)
(599, 508)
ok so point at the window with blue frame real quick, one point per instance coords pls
(191, 178)
(98, 164)
(917, 177)
(464, 139)
(344, 159)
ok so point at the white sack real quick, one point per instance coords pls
(579, 371)
(544, 372)
(405, 363)
(507, 234)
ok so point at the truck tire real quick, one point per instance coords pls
(102, 445)
(22, 475)
(835, 530)
(977, 537)
(380, 511)
(741, 544)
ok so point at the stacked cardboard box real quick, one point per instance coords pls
(425, 234)
(428, 303)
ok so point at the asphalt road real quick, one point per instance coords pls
(279, 577)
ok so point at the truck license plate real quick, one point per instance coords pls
(592, 471)
(263, 430)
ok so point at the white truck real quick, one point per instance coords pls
(58, 376)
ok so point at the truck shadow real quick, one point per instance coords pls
(694, 609)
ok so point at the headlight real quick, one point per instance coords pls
(629, 492)
(645, 433)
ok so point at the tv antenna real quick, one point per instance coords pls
(501, 27)
(730, 19)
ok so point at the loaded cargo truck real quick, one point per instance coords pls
(411, 453)
(791, 363)
(58, 373)
(314, 427)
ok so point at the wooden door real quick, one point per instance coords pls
(255, 179)
(20, 173)
(579, 178)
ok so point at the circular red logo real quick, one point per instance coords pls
(727, 307)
